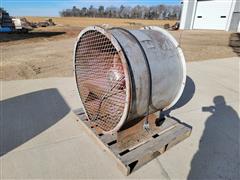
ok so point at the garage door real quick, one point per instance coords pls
(212, 14)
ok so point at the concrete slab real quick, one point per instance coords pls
(40, 137)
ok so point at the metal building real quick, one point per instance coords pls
(211, 14)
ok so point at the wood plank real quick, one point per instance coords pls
(134, 156)
(167, 125)
(151, 149)
(104, 146)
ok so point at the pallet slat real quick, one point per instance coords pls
(129, 159)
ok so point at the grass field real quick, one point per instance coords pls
(47, 52)
(68, 27)
(85, 21)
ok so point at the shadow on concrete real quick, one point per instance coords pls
(25, 116)
(218, 154)
(234, 43)
(187, 95)
(6, 37)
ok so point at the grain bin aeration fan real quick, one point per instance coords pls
(124, 77)
(124, 74)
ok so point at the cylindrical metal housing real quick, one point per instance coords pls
(126, 74)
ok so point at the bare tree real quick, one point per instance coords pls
(101, 11)
(142, 12)
(84, 11)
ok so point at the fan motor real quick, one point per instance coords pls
(123, 75)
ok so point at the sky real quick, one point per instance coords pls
(52, 7)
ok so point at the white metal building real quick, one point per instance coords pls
(211, 14)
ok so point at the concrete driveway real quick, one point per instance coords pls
(40, 137)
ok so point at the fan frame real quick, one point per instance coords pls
(126, 71)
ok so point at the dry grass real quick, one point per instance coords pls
(85, 21)
(67, 27)
(47, 52)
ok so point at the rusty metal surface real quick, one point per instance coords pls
(139, 72)
(167, 72)
(100, 79)
(123, 75)
(135, 135)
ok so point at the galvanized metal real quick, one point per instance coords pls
(124, 74)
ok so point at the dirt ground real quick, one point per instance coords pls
(47, 52)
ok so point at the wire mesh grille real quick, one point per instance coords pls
(100, 79)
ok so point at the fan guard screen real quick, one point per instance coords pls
(100, 79)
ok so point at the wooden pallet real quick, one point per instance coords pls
(138, 148)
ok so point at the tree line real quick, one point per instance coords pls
(141, 12)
